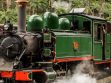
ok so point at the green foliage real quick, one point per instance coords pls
(60, 11)
(37, 6)
(93, 7)
(100, 8)
(9, 14)
(77, 3)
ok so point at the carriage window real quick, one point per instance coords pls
(98, 32)
(108, 27)
(87, 26)
(74, 25)
(104, 28)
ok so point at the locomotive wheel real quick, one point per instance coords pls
(40, 77)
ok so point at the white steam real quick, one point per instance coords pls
(82, 78)
(82, 74)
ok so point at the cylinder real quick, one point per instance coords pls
(21, 15)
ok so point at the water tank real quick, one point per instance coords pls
(35, 23)
(64, 24)
(51, 20)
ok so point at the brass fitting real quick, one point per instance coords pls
(21, 2)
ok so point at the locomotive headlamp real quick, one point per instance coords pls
(47, 37)
(6, 27)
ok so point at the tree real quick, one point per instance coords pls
(37, 6)
(100, 8)
(10, 14)
(59, 7)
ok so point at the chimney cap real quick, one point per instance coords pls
(21, 1)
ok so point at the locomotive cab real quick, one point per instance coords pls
(96, 28)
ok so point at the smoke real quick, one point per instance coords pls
(5, 65)
(83, 73)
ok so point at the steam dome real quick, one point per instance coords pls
(35, 23)
(51, 20)
(64, 24)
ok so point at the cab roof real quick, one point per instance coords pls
(84, 15)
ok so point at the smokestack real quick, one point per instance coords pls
(21, 15)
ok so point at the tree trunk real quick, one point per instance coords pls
(2, 1)
(101, 9)
(8, 4)
(50, 5)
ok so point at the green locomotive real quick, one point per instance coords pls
(52, 45)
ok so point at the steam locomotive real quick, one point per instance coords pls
(52, 46)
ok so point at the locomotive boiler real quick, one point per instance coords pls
(51, 46)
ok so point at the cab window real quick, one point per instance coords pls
(98, 31)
